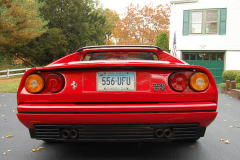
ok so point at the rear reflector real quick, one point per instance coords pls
(178, 81)
(199, 81)
(54, 82)
(34, 83)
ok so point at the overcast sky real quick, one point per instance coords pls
(120, 5)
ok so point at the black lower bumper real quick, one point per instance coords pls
(123, 133)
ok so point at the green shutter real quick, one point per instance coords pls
(223, 21)
(186, 22)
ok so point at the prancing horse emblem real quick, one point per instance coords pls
(74, 85)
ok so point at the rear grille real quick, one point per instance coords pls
(117, 132)
(47, 131)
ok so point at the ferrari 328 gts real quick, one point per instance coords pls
(117, 93)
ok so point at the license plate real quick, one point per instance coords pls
(116, 81)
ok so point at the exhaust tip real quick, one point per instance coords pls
(65, 133)
(159, 133)
(73, 134)
(167, 133)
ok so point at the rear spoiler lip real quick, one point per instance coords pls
(115, 65)
(119, 46)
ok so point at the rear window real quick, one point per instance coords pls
(120, 56)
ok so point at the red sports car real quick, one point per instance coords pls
(117, 93)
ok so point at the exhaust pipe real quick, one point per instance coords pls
(167, 133)
(64, 134)
(159, 133)
(73, 134)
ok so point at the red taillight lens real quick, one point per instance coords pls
(54, 82)
(178, 81)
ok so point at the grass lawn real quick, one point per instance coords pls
(10, 85)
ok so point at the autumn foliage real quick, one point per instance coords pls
(20, 22)
(142, 25)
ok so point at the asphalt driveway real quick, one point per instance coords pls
(226, 126)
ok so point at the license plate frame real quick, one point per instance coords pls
(126, 84)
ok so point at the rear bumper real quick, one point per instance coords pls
(122, 133)
(202, 113)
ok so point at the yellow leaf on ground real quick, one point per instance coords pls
(13, 110)
(224, 120)
(230, 126)
(35, 150)
(4, 153)
(230, 97)
(227, 142)
(9, 150)
(8, 136)
(228, 104)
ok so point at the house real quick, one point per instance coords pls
(207, 33)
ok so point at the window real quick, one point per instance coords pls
(205, 22)
(120, 56)
(211, 21)
(196, 24)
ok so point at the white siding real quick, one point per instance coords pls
(232, 60)
(230, 41)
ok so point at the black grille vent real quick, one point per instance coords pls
(118, 132)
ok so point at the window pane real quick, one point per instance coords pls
(206, 56)
(186, 56)
(211, 21)
(120, 56)
(196, 17)
(199, 56)
(220, 57)
(213, 57)
(196, 28)
(192, 57)
(196, 24)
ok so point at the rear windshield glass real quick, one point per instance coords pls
(120, 56)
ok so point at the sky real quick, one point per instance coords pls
(120, 5)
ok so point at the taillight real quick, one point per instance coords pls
(199, 81)
(178, 81)
(34, 83)
(54, 82)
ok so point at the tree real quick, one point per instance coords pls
(112, 17)
(45, 49)
(20, 22)
(142, 25)
(162, 41)
(81, 21)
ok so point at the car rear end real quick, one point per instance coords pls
(117, 100)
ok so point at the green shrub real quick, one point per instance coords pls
(238, 86)
(230, 75)
(222, 85)
(237, 79)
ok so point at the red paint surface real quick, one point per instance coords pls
(147, 73)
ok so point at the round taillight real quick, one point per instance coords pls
(199, 81)
(54, 82)
(34, 83)
(178, 81)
